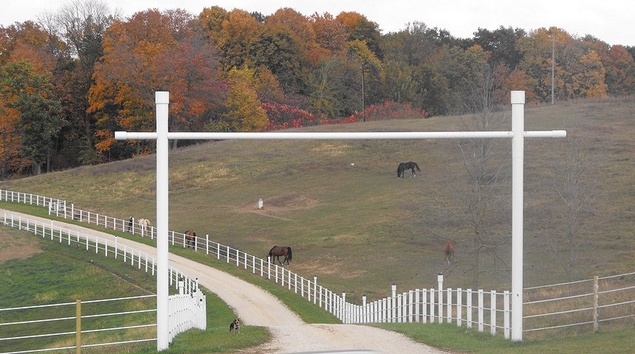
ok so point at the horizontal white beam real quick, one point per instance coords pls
(120, 135)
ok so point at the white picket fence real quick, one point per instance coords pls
(187, 308)
(484, 310)
(477, 308)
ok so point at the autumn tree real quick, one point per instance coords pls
(29, 54)
(330, 33)
(587, 79)
(211, 20)
(361, 29)
(537, 65)
(11, 158)
(620, 70)
(432, 90)
(297, 25)
(277, 50)
(501, 45)
(31, 95)
(233, 35)
(81, 24)
(415, 45)
(154, 51)
(368, 64)
(398, 82)
(334, 87)
(244, 109)
(459, 68)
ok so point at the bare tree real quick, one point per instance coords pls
(485, 194)
(574, 185)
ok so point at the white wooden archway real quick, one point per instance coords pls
(162, 136)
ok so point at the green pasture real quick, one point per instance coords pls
(62, 274)
(359, 229)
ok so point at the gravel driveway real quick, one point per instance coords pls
(257, 307)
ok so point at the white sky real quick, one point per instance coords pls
(609, 20)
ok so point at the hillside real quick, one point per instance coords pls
(358, 228)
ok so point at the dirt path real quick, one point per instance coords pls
(257, 307)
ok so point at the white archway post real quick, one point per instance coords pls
(518, 152)
(162, 136)
(162, 219)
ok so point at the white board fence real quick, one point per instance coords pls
(187, 307)
(611, 300)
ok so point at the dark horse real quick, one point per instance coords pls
(277, 251)
(407, 166)
(449, 252)
(190, 238)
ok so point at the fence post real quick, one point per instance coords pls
(596, 300)
(343, 308)
(448, 308)
(432, 305)
(468, 310)
(492, 312)
(364, 310)
(417, 305)
(440, 300)
(480, 310)
(424, 307)
(506, 318)
(78, 326)
(393, 303)
(459, 307)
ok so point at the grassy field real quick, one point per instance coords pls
(37, 271)
(359, 228)
(80, 274)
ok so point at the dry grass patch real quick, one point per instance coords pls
(15, 246)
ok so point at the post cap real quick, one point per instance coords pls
(518, 97)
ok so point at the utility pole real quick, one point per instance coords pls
(553, 64)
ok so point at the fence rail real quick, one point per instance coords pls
(580, 306)
(75, 328)
(485, 310)
(187, 308)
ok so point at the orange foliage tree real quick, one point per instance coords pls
(28, 46)
(154, 51)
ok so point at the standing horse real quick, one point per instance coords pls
(412, 166)
(449, 252)
(277, 251)
(190, 238)
(144, 223)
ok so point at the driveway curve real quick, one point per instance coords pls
(257, 307)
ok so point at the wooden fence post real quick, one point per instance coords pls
(78, 326)
(596, 300)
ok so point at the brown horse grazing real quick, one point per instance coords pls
(449, 252)
(190, 238)
(277, 251)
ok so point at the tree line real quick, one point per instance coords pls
(72, 78)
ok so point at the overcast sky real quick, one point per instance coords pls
(609, 20)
